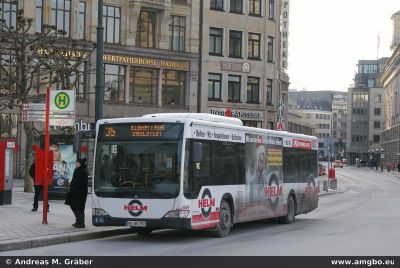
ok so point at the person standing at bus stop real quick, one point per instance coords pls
(77, 193)
(38, 189)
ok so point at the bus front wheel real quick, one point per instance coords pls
(291, 211)
(225, 220)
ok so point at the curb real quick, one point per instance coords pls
(55, 239)
(339, 191)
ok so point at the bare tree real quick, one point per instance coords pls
(29, 62)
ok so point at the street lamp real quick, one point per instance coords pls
(382, 157)
(377, 158)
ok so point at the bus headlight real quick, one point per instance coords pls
(177, 214)
(99, 212)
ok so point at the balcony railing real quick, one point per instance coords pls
(155, 2)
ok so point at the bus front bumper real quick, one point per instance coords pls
(164, 223)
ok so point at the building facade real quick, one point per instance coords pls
(170, 56)
(240, 64)
(151, 55)
(365, 112)
(390, 80)
(339, 124)
(321, 122)
(296, 123)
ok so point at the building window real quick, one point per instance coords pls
(8, 125)
(81, 20)
(377, 99)
(255, 7)
(173, 87)
(8, 65)
(269, 92)
(215, 41)
(254, 46)
(9, 13)
(360, 97)
(60, 15)
(271, 14)
(214, 86)
(217, 5)
(376, 138)
(38, 16)
(377, 111)
(177, 30)
(235, 44)
(143, 85)
(251, 123)
(234, 88)
(253, 90)
(79, 83)
(368, 68)
(270, 125)
(371, 82)
(236, 6)
(270, 49)
(114, 83)
(377, 124)
(146, 32)
(112, 24)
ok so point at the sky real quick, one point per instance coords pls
(328, 37)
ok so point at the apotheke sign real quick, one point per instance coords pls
(241, 114)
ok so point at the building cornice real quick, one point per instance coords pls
(391, 67)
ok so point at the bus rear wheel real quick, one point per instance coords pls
(225, 220)
(291, 211)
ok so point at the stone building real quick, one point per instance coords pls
(240, 63)
(390, 80)
(365, 113)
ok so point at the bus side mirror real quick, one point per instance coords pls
(197, 152)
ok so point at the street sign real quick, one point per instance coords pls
(62, 107)
(33, 112)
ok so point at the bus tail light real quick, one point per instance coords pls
(177, 214)
(99, 212)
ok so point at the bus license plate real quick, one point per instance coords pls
(136, 223)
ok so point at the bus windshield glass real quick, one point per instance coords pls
(140, 160)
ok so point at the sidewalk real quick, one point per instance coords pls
(20, 228)
(369, 169)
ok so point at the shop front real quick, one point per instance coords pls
(250, 118)
(145, 81)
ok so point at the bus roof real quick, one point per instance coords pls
(206, 119)
(199, 116)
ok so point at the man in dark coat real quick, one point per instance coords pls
(77, 193)
(38, 189)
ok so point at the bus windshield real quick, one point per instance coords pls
(137, 165)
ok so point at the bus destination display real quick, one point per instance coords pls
(140, 130)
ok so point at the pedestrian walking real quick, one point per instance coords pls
(77, 193)
(38, 189)
(398, 167)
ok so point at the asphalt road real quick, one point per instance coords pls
(363, 220)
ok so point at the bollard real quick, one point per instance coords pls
(333, 184)
(325, 186)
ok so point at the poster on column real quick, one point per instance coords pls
(63, 165)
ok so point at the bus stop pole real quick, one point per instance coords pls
(46, 157)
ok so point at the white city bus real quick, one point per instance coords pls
(199, 171)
